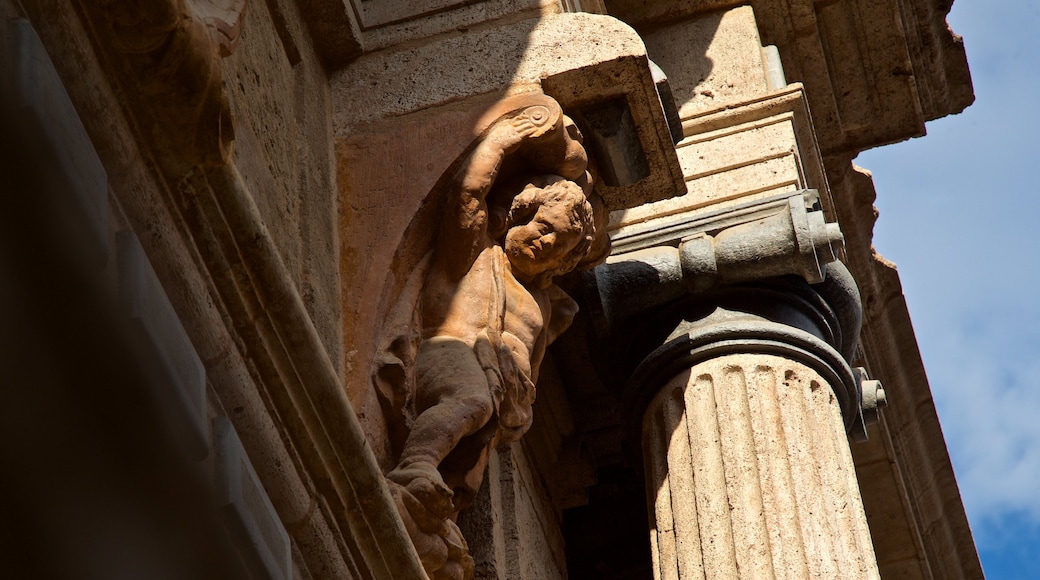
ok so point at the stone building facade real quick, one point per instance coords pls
(238, 214)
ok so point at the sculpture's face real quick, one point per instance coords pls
(544, 243)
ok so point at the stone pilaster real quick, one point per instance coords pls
(749, 475)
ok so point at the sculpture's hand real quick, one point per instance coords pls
(529, 135)
(558, 151)
(532, 123)
(507, 135)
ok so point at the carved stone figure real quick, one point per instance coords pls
(518, 212)
(172, 49)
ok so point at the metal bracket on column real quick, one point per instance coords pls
(872, 399)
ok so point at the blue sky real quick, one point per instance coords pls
(958, 213)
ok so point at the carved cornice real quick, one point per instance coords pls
(270, 317)
(869, 80)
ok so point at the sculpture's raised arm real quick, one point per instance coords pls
(537, 134)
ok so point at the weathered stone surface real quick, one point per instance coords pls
(283, 146)
(385, 84)
(516, 516)
(712, 60)
(869, 82)
(750, 475)
(385, 23)
(581, 60)
(651, 12)
(742, 139)
(333, 27)
(514, 529)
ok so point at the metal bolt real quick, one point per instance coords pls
(872, 396)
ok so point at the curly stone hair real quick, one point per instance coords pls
(570, 198)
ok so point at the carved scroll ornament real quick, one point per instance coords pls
(517, 211)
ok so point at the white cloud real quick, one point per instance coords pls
(984, 376)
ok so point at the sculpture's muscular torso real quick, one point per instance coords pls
(518, 212)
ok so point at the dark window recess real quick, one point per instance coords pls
(612, 135)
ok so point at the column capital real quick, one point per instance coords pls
(816, 325)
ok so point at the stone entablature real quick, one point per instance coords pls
(743, 152)
(875, 71)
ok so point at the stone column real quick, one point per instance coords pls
(748, 466)
(744, 411)
(750, 475)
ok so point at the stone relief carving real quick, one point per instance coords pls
(172, 49)
(516, 213)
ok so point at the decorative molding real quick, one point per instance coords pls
(290, 356)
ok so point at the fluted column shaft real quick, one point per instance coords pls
(749, 475)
